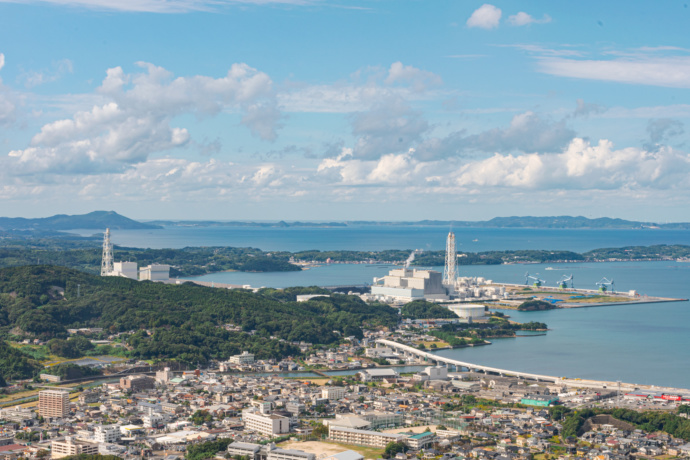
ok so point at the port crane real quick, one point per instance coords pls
(606, 285)
(563, 283)
(537, 282)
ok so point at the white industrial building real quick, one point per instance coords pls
(407, 285)
(468, 311)
(155, 272)
(125, 270)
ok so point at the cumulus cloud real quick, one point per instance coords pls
(527, 132)
(585, 109)
(485, 17)
(136, 122)
(8, 100)
(662, 130)
(581, 166)
(524, 19)
(417, 78)
(389, 170)
(365, 88)
(390, 126)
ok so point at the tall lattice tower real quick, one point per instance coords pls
(450, 274)
(107, 261)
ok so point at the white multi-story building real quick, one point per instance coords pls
(106, 433)
(244, 449)
(69, 447)
(269, 425)
(333, 393)
(362, 437)
(244, 358)
(152, 420)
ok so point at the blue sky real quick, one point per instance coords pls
(364, 109)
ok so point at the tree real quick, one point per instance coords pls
(392, 448)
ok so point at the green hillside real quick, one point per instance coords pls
(183, 322)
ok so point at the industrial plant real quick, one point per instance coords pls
(153, 272)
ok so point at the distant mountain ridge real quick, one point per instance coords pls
(113, 220)
(542, 222)
(93, 220)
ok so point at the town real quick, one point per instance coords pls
(243, 408)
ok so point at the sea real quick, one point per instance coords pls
(647, 344)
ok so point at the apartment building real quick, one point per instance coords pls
(70, 447)
(333, 393)
(53, 403)
(269, 425)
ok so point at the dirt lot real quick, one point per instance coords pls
(322, 447)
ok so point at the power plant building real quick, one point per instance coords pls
(406, 285)
(468, 311)
(155, 272)
(126, 270)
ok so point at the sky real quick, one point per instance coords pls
(345, 110)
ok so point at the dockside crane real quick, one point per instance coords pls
(605, 285)
(537, 282)
(563, 283)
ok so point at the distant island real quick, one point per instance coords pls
(96, 220)
(563, 222)
(110, 219)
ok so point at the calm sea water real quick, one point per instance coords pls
(372, 238)
(645, 344)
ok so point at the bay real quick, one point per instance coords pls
(381, 237)
(645, 343)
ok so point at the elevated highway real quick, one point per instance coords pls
(408, 350)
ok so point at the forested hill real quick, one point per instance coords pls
(185, 321)
(96, 220)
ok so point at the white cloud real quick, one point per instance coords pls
(485, 17)
(524, 19)
(35, 78)
(390, 126)
(671, 72)
(389, 170)
(581, 167)
(527, 132)
(2, 61)
(365, 88)
(162, 6)
(419, 79)
(136, 121)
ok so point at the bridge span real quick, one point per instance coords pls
(407, 350)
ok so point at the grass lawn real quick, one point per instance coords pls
(368, 452)
(439, 344)
(599, 299)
